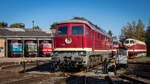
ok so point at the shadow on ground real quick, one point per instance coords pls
(88, 80)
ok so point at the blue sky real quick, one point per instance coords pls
(108, 14)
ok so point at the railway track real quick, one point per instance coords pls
(92, 76)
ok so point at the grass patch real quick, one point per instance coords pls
(144, 59)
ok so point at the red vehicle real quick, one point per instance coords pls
(136, 48)
(80, 43)
(46, 48)
(115, 46)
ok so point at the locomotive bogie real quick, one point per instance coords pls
(46, 48)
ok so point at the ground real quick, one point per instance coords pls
(144, 59)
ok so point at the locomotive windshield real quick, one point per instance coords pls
(115, 43)
(47, 45)
(16, 47)
(62, 30)
(127, 42)
(132, 42)
(77, 30)
(32, 47)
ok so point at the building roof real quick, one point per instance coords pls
(19, 32)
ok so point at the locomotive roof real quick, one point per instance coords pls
(94, 27)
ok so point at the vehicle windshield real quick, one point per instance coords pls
(62, 30)
(115, 43)
(77, 30)
(47, 45)
(132, 42)
(126, 42)
(32, 47)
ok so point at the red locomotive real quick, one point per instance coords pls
(80, 43)
(115, 46)
(46, 48)
(136, 48)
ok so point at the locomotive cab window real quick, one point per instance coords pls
(127, 42)
(62, 30)
(115, 43)
(77, 30)
(87, 32)
(103, 38)
(92, 33)
(98, 35)
(132, 42)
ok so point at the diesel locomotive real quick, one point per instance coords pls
(135, 47)
(80, 43)
(45, 48)
(116, 45)
(31, 49)
(15, 49)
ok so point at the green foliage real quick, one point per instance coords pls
(133, 31)
(110, 32)
(79, 18)
(148, 39)
(53, 26)
(3, 24)
(17, 25)
(36, 27)
(140, 32)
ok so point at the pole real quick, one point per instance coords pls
(33, 24)
(24, 66)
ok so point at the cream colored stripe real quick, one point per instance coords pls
(136, 50)
(104, 50)
(73, 49)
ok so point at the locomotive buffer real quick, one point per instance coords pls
(120, 60)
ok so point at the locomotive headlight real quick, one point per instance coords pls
(82, 53)
(55, 53)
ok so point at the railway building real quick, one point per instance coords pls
(15, 39)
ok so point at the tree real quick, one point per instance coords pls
(140, 32)
(110, 32)
(79, 18)
(17, 25)
(36, 27)
(147, 40)
(3, 24)
(53, 26)
(123, 35)
(133, 31)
